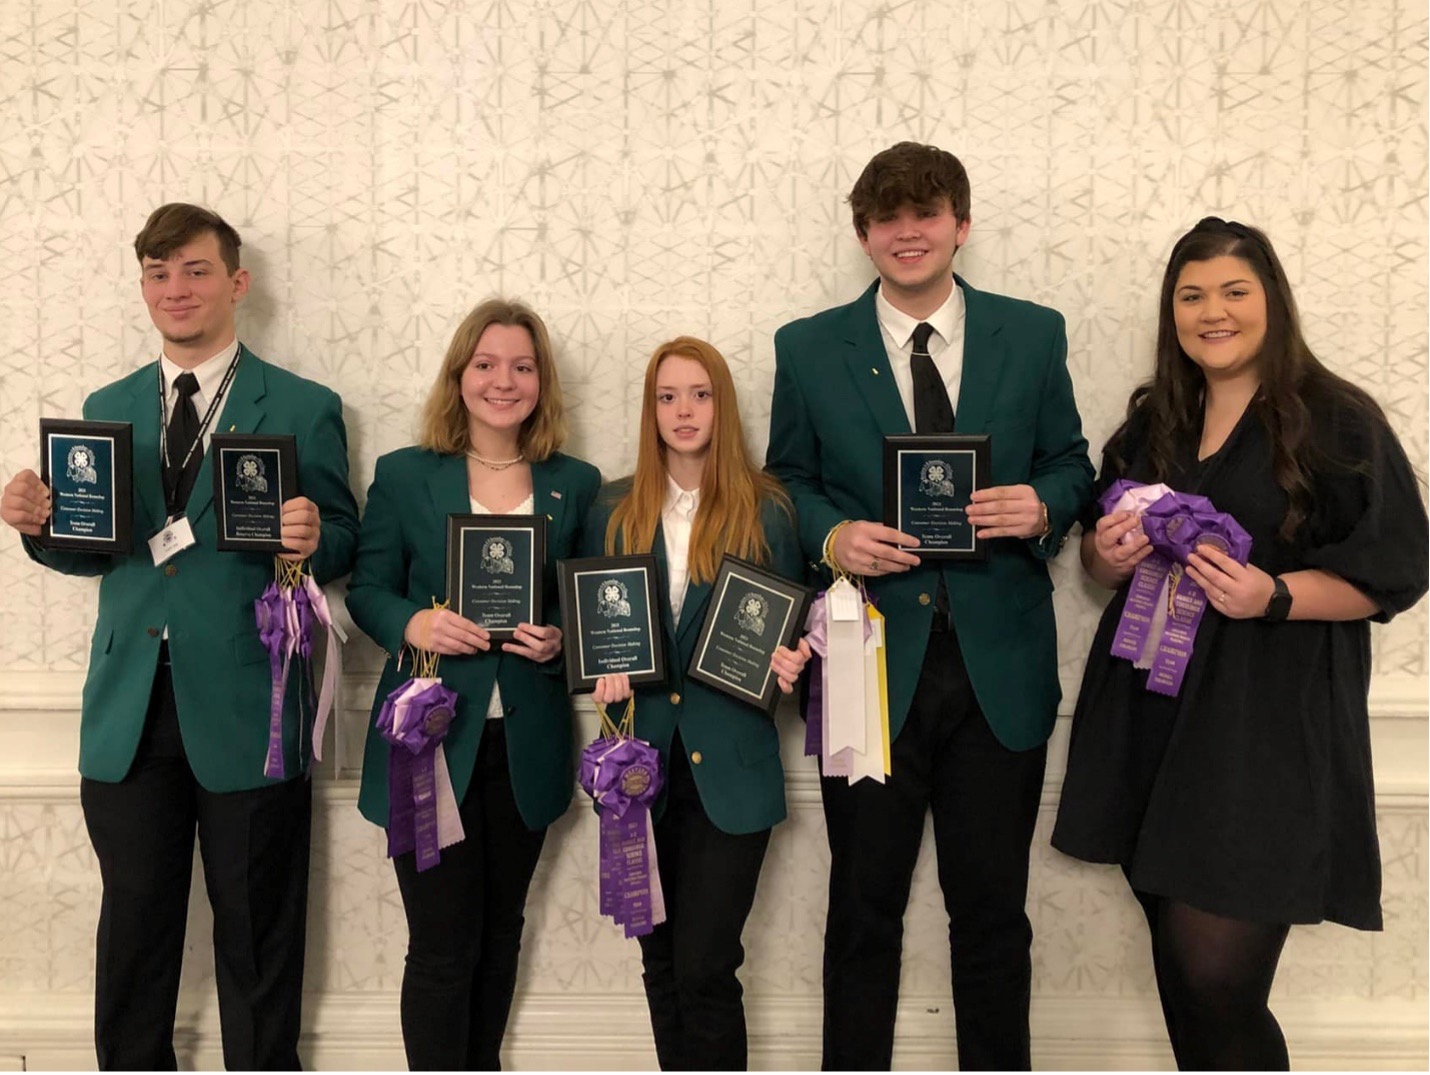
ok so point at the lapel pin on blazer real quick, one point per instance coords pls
(555, 494)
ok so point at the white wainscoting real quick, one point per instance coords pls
(1345, 999)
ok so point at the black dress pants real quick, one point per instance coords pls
(254, 846)
(708, 878)
(984, 798)
(465, 917)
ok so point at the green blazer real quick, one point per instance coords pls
(205, 597)
(835, 400)
(402, 565)
(734, 749)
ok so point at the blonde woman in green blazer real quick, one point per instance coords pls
(489, 440)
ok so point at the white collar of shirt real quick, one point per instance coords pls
(681, 501)
(947, 320)
(945, 345)
(209, 373)
(676, 524)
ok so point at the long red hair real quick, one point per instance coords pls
(731, 487)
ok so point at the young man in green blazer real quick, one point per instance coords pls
(175, 723)
(972, 650)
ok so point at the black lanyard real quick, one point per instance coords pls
(208, 414)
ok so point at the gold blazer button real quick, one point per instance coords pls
(674, 698)
(695, 758)
(924, 598)
(171, 570)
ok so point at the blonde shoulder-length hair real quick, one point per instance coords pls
(443, 426)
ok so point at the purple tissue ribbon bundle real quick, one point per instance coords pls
(285, 617)
(1164, 607)
(622, 774)
(422, 808)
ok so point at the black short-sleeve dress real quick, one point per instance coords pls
(1250, 794)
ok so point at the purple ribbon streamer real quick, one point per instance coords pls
(414, 726)
(624, 777)
(271, 613)
(816, 632)
(1176, 525)
(1139, 613)
(285, 620)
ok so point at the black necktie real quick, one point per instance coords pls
(183, 431)
(932, 411)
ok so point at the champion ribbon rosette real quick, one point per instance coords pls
(285, 614)
(422, 808)
(1164, 607)
(623, 775)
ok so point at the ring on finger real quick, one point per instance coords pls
(874, 564)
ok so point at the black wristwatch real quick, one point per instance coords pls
(1279, 607)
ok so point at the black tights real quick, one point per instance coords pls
(1214, 975)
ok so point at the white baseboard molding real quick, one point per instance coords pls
(47, 1032)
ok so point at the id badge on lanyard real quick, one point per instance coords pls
(177, 535)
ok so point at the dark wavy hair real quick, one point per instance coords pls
(909, 174)
(171, 226)
(1292, 377)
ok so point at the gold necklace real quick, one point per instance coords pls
(495, 464)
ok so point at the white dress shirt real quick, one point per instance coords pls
(526, 507)
(209, 373)
(677, 519)
(945, 345)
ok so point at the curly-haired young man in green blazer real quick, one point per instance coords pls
(972, 650)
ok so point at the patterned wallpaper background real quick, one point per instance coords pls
(638, 169)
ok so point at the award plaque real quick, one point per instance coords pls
(89, 468)
(928, 480)
(751, 613)
(494, 570)
(610, 606)
(253, 474)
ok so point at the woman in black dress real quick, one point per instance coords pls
(1244, 803)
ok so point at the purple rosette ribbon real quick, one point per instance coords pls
(623, 775)
(1164, 607)
(414, 720)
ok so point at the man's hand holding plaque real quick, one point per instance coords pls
(25, 504)
(1007, 511)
